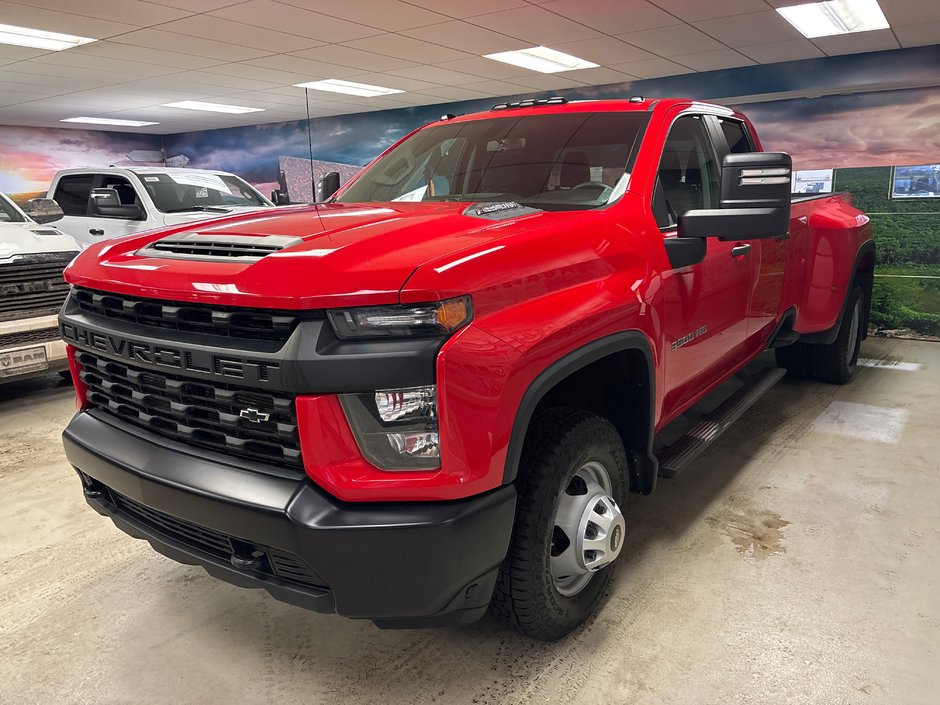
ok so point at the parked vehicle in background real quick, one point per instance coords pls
(32, 257)
(433, 393)
(105, 203)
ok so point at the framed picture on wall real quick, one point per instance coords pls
(811, 181)
(921, 181)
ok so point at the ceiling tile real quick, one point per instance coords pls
(58, 21)
(353, 58)
(212, 27)
(232, 81)
(160, 39)
(694, 10)
(135, 12)
(598, 76)
(390, 15)
(461, 8)
(453, 93)
(715, 59)
(309, 68)
(878, 40)
(277, 16)
(782, 51)
(401, 47)
(549, 82)
(13, 53)
(129, 52)
(258, 73)
(908, 12)
(604, 51)
(652, 68)
(672, 41)
(390, 81)
(109, 69)
(498, 88)
(752, 28)
(486, 68)
(918, 34)
(194, 5)
(436, 74)
(533, 24)
(613, 16)
(466, 37)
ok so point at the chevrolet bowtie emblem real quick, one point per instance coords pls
(254, 415)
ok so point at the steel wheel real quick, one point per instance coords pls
(588, 529)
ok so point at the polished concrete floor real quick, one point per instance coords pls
(797, 562)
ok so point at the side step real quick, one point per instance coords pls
(677, 456)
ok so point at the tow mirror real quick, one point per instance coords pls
(106, 202)
(43, 210)
(327, 185)
(279, 198)
(755, 200)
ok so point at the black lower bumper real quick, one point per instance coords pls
(400, 565)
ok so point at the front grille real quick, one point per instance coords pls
(281, 564)
(33, 285)
(242, 248)
(30, 337)
(194, 412)
(231, 321)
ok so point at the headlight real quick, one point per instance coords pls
(438, 318)
(396, 429)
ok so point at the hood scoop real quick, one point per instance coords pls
(217, 248)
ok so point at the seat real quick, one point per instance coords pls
(575, 169)
(679, 195)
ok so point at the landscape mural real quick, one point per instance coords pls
(863, 137)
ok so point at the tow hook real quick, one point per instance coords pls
(247, 558)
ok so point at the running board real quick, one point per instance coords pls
(681, 453)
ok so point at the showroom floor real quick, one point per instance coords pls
(799, 562)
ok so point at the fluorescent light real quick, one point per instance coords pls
(212, 107)
(335, 85)
(38, 39)
(542, 59)
(110, 121)
(824, 19)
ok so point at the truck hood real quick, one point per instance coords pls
(31, 239)
(347, 254)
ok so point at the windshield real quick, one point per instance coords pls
(9, 213)
(193, 191)
(562, 161)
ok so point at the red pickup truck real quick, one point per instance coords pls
(431, 394)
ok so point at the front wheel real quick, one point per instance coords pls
(835, 363)
(569, 526)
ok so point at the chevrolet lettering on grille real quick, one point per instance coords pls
(254, 415)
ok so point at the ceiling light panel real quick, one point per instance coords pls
(39, 39)
(109, 121)
(335, 85)
(212, 107)
(825, 19)
(542, 59)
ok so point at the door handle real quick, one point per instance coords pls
(96, 231)
(740, 250)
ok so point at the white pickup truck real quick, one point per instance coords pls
(32, 257)
(105, 203)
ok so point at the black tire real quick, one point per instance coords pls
(835, 363)
(559, 442)
(796, 359)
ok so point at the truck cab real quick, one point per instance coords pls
(100, 204)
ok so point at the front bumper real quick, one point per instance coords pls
(24, 334)
(400, 565)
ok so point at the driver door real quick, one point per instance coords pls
(706, 304)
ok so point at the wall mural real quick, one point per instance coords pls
(870, 140)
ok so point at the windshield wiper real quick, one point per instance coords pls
(213, 209)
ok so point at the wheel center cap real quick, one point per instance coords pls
(615, 538)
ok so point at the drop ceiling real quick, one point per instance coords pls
(252, 52)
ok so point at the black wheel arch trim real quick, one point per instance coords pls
(828, 336)
(644, 465)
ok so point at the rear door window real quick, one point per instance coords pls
(736, 136)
